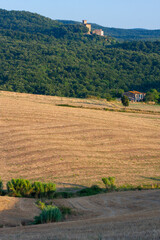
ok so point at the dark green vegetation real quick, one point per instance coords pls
(42, 56)
(153, 95)
(24, 188)
(124, 34)
(125, 101)
(49, 214)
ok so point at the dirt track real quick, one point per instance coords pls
(125, 215)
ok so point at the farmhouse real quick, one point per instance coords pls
(135, 96)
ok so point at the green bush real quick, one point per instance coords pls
(49, 214)
(109, 183)
(64, 195)
(24, 188)
(44, 189)
(40, 205)
(89, 191)
(20, 188)
(1, 187)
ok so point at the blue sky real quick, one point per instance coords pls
(109, 13)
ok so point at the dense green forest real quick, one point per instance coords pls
(42, 56)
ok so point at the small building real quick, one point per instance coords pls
(99, 32)
(135, 96)
(87, 25)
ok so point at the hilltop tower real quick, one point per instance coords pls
(87, 25)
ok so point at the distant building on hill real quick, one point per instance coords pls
(135, 96)
(87, 25)
(98, 32)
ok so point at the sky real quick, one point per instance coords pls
(108, 13)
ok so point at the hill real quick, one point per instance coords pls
(125, 215)
(124, 34)
(42, 56)
(44, 139)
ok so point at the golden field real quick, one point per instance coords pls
(76, 147)
(119, 215)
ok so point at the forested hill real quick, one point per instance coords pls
(30, 23)
(42, 56)
(124, 34)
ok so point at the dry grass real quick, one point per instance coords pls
(17, 211)
(126, 215)
(75, 146)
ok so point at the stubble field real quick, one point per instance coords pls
(76, 147)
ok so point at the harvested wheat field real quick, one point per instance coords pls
(76, 147)
(17, 211)
(124, 215)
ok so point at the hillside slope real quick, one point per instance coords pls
(42, 56)
(76, 147)
(127, 215)
(123, 34)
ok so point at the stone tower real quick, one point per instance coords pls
(87, 25)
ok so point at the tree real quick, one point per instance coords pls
(109, 182)
(152, 96)
(125, 101)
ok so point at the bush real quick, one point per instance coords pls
(64, 195)
(44, 189)
(89, 191)
(24, 188)
(109, 183)
(49, 214)
(40, 205)
(1, 187)
(19, 188)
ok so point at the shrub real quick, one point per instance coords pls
(64, 195)
(44, 189)
(1, 187)
(89, 191)
(40, 205)
(109, 183)
(19, 188)
(38, 189)
(24, 188)
(49, 214)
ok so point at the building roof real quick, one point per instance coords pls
(135, 92)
